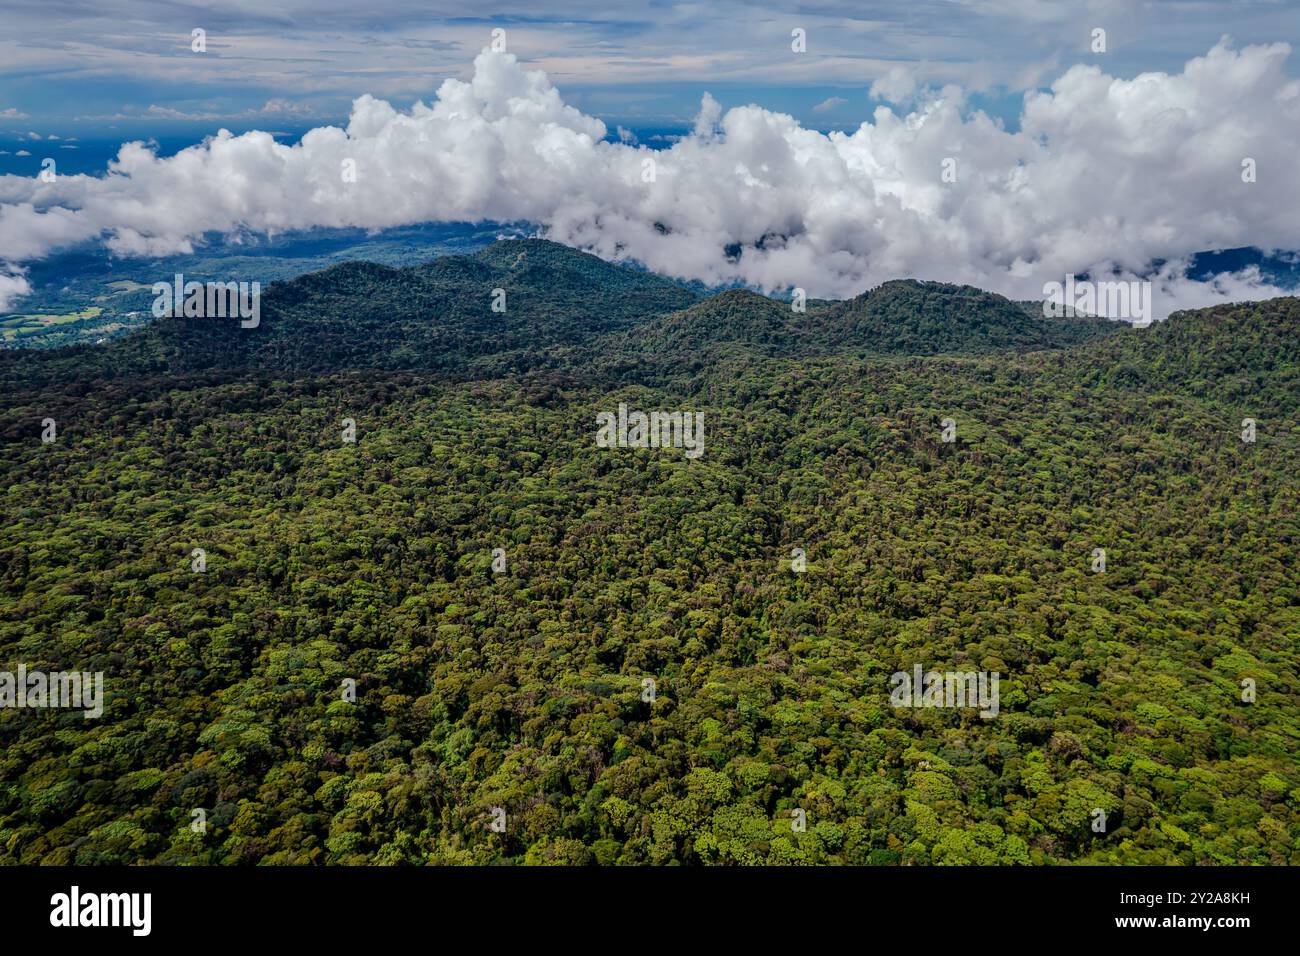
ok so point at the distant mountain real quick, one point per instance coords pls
(86, 295)
(1279, 268)
(88, 276)
(438, 316)
(558, 310)
(927, 318)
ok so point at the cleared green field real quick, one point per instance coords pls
(18, 325)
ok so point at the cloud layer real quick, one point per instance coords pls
(1105, 175)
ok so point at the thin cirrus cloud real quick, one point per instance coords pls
(1103, 174)
(830, 103)
(625, 61)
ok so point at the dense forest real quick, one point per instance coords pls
(502, 716)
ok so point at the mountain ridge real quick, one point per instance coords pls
(521, 304)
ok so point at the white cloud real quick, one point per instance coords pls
(13, 286)
(168, 112)
(276, 107)
(1105, 175)
(897, 85)
(706, 122)
(282, 107)
(829, 104)
(12, 113)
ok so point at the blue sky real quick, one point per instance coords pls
(70, 67)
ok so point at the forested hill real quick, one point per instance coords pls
(1159, 694)
(927, 318)
(1247, 354)
(556, 306)
(437, 316)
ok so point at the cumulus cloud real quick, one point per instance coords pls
(896, 86)
(1115, 177)
(13, 286)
